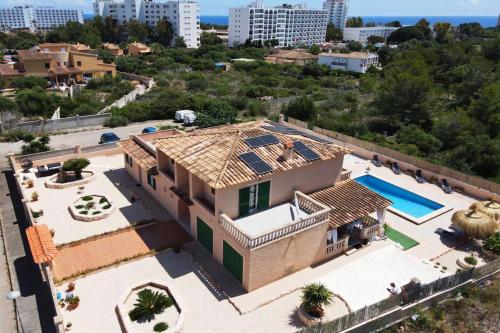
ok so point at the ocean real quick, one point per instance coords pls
(485, 21)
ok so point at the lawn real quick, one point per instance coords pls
(394, 235)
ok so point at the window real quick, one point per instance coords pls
(47, 65)
(172, 161)
(128, 159)
(79, 63)
(212, 190)
(254, 198)
(152, 181)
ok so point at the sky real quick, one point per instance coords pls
(356, 8)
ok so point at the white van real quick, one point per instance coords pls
(179, 115)
(189, 118)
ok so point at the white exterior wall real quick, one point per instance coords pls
(292, 25)
(37, 18)
(337, 12)
(345, 63)
(361, 34)
(183, 15)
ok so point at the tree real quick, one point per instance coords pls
(180, 42)
(333, 33)
(36, 102)
(148, 304)
(302, 108)
(491, 49)
(442, 31)
(34, 146)
(315, 49)
(314, 297)
(396, 24)
(163, 32)
(354, 46)
(6, 104)
(29, 82)
(209, 38)
(405, 34)
(137, 30)
(375, 39)
(354, 22)
(76, 165)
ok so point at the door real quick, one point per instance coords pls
(254, 198)
(205, 235)
(232, 261)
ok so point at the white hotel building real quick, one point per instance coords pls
(183, 15)
(361, 34)
(291, 25)
(337, 12)
(37, 18)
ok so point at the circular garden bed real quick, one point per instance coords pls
(91, 208)
(56, 183)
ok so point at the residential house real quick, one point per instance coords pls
(358, 62)
(263, 200)
(295, 57)
(136, 49)
(113, 49)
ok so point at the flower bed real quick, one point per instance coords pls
(91, 208)
(174, 315)
(87, 177)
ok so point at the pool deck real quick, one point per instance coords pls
(431, 245)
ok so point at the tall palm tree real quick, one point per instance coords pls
(149, 304)
(314, 297)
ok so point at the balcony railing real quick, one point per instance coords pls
(337, 248)
(345, 175)
(370, 227)
(318, 214)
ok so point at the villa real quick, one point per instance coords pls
(263, 200)
(296, 57)
(137, 49)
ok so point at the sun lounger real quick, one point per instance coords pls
(395, 168)
(444, 233)
(446, 187)
(418, 176)
(376, 161)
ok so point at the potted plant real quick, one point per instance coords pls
(29, 183)
(314, 297)
(71, 287)
(73, 302)
(68, 326)
(34, 196)
(491, 246)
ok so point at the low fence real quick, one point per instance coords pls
(54, 125)
(475, 186)
(390, 311)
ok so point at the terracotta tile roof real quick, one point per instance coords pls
(6, 69)
(295, 55)
(349, 201)
(34, 55)
(138, 154)
(213, 154)
(110, 46)
(41, 244)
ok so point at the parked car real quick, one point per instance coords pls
(179, 115)
(148, 130)
(109, 137)
(189, 118)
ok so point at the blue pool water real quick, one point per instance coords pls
(402, 200)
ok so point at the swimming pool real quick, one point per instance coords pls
(403, 200)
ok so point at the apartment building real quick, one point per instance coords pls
(290, 25)
(183, 15)
(337, 12)
(37, 18)
(358, 62)
(58, 62)
(361, 34)
(262, 199)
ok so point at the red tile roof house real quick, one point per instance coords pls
(263, 201)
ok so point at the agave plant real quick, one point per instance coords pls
(149, 304)
(314, 297)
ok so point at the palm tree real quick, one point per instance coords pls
(149, 304)
(314, 297)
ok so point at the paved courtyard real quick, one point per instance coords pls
(110, 182)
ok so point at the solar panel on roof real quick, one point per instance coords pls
(255, 163)
(263, 140)
(305, 151)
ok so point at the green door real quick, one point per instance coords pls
(205, 235)
(232, 261)
(246, 205)
(263, 201)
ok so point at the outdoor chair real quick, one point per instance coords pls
(418, 176)
(446, 187)
(395, 168)
(376, 161)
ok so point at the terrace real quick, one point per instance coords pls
(277, 222)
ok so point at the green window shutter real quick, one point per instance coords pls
(244, 201)
(264, 192)
(232, 261)
(205, 235)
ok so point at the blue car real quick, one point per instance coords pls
(109, 137)
(148, 130)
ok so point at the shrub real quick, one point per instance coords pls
(84, 212)
(160, 327)
(103, 200)
(79, 206)
(492, 243)
(87, 198)
(34, 196)
(314, 297)
(36, 214)
(149, 304)
(76, 165)
(108, 206)
(116, 121)
(18, 135)
(96, 212)
(471, 261)
(89, 205)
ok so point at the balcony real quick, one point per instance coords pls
(339, 247)
(275, 223)
(205, 204)
(345, 175)
(369, 227)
